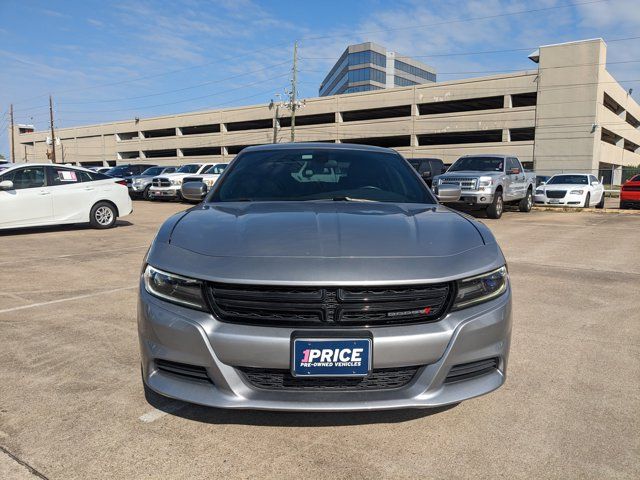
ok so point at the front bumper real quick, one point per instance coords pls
(475, 197)
(170, 332)
(164, 192)
(569, 200)
(137, 188)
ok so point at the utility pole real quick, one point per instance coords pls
(276, 118)
(294, 93)
(13, 144)
(53, 134)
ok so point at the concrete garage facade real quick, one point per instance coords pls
(567, 114)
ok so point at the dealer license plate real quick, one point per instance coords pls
(344, 357)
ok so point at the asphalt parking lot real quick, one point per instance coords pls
(72, 405)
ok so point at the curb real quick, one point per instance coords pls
(591, 210)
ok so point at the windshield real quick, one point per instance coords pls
(321, 174)
(569, 179)
(478, 164)
(153, 171)
(217, 169)
(116, 171)
(190, 168)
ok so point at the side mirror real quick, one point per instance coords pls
(594, 184)
(514, 171)
(194, 191)
(449, 193)
(6, 185)
(543, 183)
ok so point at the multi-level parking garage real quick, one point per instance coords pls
(568, 113)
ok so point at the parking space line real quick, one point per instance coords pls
(156, 414)
(71, 255)
(68, 299)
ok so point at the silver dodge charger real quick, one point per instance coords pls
(323, 277)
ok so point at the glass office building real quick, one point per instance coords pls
(368, 66)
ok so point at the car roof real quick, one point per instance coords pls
(34, 164)
(316, 145)
(493, 155)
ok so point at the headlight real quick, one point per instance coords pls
(209, 182)
(481, 288)
(174, 288)
(176, 181)
(539, 191)
(485, 182)
(576, 192)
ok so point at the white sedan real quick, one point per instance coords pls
(34, 194)
(571, 190)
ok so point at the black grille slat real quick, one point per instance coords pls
(556, 193)
(379, 379)
(332, 306)
(185, 370)
(473, 369)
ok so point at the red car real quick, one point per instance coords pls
(630, 193)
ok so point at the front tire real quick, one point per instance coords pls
(526, 203)
(497, 206)
(601, 202)
(103, 215)
(587, 201)
(145, 193)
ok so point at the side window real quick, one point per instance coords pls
(206, 167)
(592, 179)
(28, 177)
(64, 176)
(169, 170)
(511, 164)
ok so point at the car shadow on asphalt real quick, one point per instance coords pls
(57, 228)
(219, 416)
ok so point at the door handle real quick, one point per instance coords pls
(44, 192)
(88, 188)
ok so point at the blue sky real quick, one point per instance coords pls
(110, 60)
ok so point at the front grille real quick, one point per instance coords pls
(379, 379)
(466, 183)
(161, 182)
(329, 306)
(465, 371)
(556, 193)
(182, 369)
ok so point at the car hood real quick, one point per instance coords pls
(470, 173)
(326, 242)
(137, 177)
(564, 186)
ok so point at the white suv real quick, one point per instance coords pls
(168, 186)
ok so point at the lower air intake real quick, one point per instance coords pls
(379, 379)
(193, 372)
(465, 371)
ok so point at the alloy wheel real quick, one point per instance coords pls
(104, 215)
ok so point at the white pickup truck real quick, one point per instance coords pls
(168, 186)
(490, 181)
